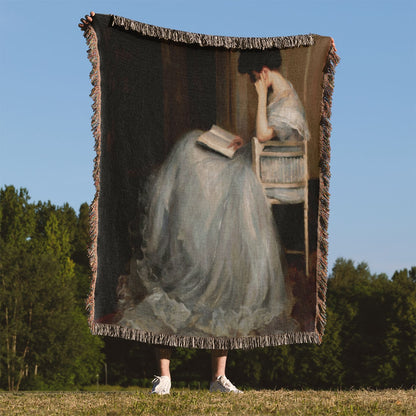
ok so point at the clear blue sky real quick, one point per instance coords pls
(46, 145)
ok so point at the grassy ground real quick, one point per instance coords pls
(201, 402)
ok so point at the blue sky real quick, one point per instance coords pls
(46, 145)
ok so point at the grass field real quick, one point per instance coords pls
(201, 402)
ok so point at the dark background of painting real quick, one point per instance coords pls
(153, 92)
(135, 140)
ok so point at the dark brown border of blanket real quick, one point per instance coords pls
(323, 214)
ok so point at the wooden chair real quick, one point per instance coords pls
(282, 169)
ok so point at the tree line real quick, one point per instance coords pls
(45, 342)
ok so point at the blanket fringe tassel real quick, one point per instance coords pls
(325, 174)
(205, 342)
(228, 42)
(94, 58)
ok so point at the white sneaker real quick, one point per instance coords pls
(223, 385)
(161, 385)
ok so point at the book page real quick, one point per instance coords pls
(218, 139)
(226, 135)
(215, 139)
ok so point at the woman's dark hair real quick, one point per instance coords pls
(255, 60)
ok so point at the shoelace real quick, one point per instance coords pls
(156, 379)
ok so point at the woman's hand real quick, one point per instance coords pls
(236, 143)
(261, 86)
(86, 21)
(263, 131)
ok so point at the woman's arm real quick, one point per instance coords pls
(263, 131)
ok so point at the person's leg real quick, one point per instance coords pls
(219, 381)
(218, 363)
(162, 383)
(163, 360)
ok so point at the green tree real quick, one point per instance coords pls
(378, 318)
(17, 225)
(401, 335)
(46, 341)
(320, 366)
(79, 255)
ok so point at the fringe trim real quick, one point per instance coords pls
(324, 177)
(93, 56)
(211, 40)
(205, 342)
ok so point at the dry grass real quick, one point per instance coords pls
(201, 402)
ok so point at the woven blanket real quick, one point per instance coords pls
(189, 246)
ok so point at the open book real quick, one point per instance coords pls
(218, 140)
